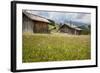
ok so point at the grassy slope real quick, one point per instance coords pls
(57, 47)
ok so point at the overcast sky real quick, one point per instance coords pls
(63, 17)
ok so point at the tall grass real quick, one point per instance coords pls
(55, 47)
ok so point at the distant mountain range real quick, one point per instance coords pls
(78, 24)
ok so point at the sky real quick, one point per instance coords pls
(64, 17)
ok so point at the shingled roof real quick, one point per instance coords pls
(36, 17)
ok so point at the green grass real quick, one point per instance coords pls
(55, 47)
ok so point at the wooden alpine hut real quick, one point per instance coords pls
(34, 23)
(70, 29)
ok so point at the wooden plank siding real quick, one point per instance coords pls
(40, 27)
(27, 25)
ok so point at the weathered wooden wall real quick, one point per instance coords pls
(28, 24)
(41, 27)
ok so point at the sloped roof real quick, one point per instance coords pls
(72, 26)
(77, 28)
(36, 17)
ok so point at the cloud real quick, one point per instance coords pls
(84, 18)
